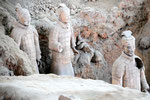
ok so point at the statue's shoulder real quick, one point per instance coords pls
(137, 57)
(15, 31)
(139, 62)
(119, 61)
(55, 27)
(32, 27)
(17, 28)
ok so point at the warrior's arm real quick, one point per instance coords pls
(53, 40)
(37, 46)
(117, 74)
(73, 44)
(144, 83)
(17, 37)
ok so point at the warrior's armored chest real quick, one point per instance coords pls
(64, 36)
(27, 41)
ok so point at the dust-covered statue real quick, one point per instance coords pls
(61, 40)
(26, 36)
(128, 69)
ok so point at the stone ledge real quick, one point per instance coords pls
(52, 87)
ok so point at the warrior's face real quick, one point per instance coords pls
(64, 16)
(64, 13)
(24, 18)
(129, 50)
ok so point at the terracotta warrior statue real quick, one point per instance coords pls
(26, 36)
(61, 40)
(128, 69)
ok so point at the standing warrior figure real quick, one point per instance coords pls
(128, 69)
(61, 40)
(26, 36)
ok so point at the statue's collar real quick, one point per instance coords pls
(22, 26)
(128, 57)
(63, 25)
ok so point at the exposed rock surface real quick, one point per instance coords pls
(143, 42)
(51, 87)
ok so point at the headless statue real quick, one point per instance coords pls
(61, 40)
(26, 36)
(128, 69)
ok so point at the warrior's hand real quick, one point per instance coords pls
(75, 50)
(38, 57)
(60, 48)
(39, 62)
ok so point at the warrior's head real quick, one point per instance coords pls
(128, 43)
(64, 13)
(23, 15)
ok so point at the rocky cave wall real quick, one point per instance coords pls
(143, 42)
(97, 26)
